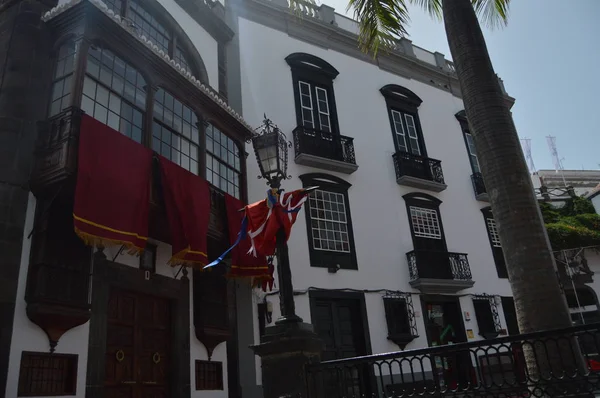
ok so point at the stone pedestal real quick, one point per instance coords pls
(285, 350)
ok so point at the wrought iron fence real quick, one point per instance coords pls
(438, 265)
(478, 184)
(558, 363)
(323, 144)
(408, 164)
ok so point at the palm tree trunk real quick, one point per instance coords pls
(539, 302)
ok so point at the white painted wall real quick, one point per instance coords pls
(381, 229)
(26, 336)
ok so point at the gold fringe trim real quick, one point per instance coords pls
(98, 241)
(179, 258)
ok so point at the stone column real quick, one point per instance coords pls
(285, 351)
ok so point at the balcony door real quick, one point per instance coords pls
(428, 236)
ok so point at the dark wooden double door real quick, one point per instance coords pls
(340, 321)
(138, 346)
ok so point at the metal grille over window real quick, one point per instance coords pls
(400, 317)
(44, 374)
(175, 131)
(222, 161)
(209, 375)
(149, 26)
(486, 312)
(328, 221)
(425, 223)
(113, 93)
(63, 77)
(493, 229)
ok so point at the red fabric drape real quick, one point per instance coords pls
(112, 196)
(187, 199)
(264, 222)
(242, 263)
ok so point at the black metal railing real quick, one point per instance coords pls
(408, 164)
(558, 363)
(478, 184)
(438, 265)
(325, 145)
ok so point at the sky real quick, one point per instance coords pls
(549, 59)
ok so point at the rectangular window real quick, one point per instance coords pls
(44, 374)
(209, 375)
(306, 104)
(493, 230)
(396, 315)
(485, 317)
(323, 107)
(63, 74)
(510, 315)
(472, 153)
(405, 131)
(329, 222)
(223, 169)
(149, 26)
(425, 223)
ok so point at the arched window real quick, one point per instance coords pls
(114, 93)
(222, 161)
(63, 77)
(153, 28)
(175, 131)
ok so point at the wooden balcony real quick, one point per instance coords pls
(419, 172)
(324, 150)
(55, 169)
(439, 272)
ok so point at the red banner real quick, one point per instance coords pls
(187, 200)
(267, 216)
(112, 196)
(243, 264)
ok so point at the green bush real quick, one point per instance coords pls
(574, 225)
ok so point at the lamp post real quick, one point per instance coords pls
(291, 344)
(271, 150)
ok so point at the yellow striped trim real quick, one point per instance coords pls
(237, 266)
(98, 241)
(83, 220)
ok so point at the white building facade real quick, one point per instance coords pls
(397, 249)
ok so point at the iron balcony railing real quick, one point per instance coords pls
(410, 165)
(325, 145)
(478, 184)
(424, 264)
(557, 363)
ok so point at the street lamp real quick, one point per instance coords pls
(271, 150)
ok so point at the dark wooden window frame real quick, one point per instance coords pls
(497, 252)
(202, 385)
(178, 37)
(426, 201)
(486, 313)
(329, 259)
(408, 324)
(70, 387)
(464, 127)
(511, 321)
(403, 100)
(155, 71)
(319, 73)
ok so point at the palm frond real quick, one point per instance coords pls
(432, 7)
(493, 13)
(381, 22)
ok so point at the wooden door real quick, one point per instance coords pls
(339, 324)
(137, 346)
